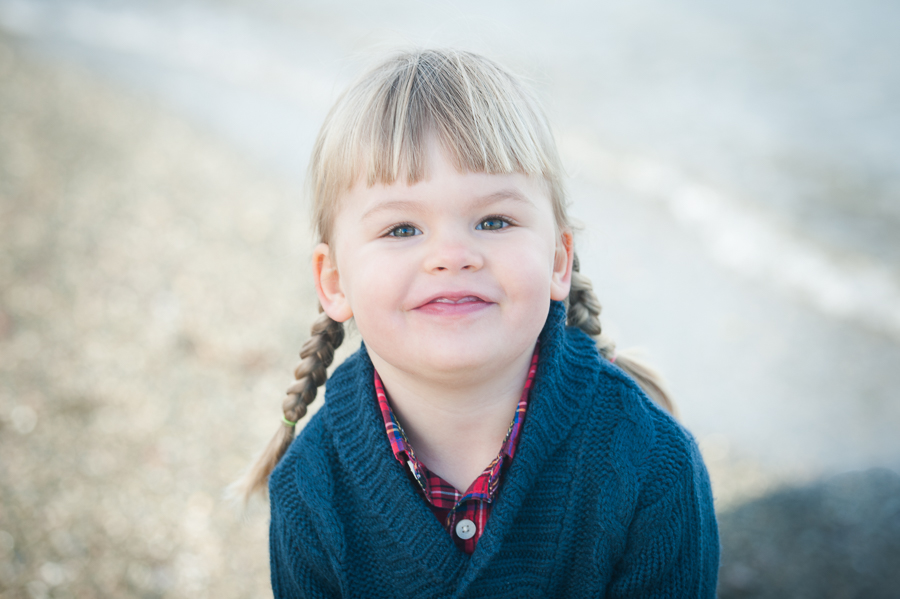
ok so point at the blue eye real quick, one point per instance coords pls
(492, 223)
(404, 230)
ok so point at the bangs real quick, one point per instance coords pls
(379, 130)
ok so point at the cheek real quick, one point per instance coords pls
(529, 263)
(375, 283)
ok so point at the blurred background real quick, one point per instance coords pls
(734, 167)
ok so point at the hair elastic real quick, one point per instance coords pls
(288, 422)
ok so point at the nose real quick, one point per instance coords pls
(450, 252)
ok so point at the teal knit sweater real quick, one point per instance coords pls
(607, 496)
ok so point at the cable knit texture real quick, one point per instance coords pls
(607, 496)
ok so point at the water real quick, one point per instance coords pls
(734, 166)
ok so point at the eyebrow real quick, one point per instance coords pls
(487, 200)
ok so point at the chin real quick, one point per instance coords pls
(467, 358)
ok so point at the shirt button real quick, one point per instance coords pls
(465, 529)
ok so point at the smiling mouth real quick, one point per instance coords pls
(452, 305)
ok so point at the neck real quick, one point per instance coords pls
(456, 423)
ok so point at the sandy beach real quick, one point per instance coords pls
(153, 297)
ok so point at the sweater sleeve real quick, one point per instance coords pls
(672, 548)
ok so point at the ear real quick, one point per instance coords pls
(561, 279)
(328, 285)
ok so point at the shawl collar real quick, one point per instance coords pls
(567, 374)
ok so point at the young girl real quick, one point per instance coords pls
(485, 440)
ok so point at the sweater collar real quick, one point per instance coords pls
(567, 370)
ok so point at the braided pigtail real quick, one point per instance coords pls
(311, 372)
(584, 313)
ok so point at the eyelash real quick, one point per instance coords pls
(503, 219)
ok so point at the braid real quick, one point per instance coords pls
(310, 373)
(584, 312)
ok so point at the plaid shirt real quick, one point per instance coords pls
(451, 507)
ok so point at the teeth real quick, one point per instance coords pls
(464, 300)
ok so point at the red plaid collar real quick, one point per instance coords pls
(437, 491)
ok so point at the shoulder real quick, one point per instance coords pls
(306, 536)
(306, 544)
(640, 437)
(301, 488)
(644, 475)
(305, 480)
(671, 543)
(305, 464)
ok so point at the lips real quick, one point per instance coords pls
(454, 298)
(454, 303)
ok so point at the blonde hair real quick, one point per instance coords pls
(486, 121)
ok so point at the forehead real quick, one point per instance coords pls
(445, 190)
(443, 176)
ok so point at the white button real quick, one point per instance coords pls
(465, 529)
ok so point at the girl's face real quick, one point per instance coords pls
(451, 276)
